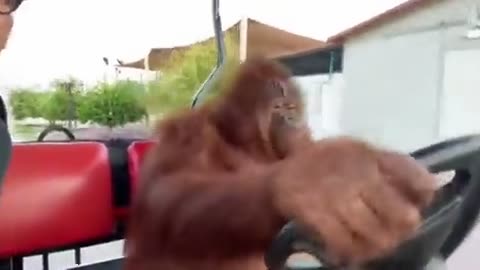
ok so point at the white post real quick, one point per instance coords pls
(146, 64)
(105, 74)
(243, 38)
(146, 61)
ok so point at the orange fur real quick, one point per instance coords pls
(224, 178)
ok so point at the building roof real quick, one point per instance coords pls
(390, 14)
(272, 42)
(262, 39)
(326, 60)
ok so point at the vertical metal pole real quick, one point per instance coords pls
(221, 53)
(45, 264)
(330, 67)
(78, 256)
(437, 132)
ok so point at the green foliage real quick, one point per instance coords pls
(61, 103)
(56, 105)
(106, 104)
(86, 110)
(122, 102)
(66, 84)
(112, 104)
(185, 74)
(26, 103)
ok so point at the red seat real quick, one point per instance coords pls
(55, 195)
(136, 153)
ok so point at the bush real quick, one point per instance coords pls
(63, 101)
(26, 103)
(53, 105)
(112, 104)
(107, 104)
(59, 105)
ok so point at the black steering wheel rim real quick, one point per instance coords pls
(52, 128)
(451, 218)
(470, 208)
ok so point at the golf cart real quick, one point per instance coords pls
(67, 195)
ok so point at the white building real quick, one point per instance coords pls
(113, 73)
(318, 73)
(412, 74)
(322, 93)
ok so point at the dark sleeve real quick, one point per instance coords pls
(5, 142)
(3, 111)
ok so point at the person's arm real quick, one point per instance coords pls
(3, 111)
(209, 215)
(5, 143)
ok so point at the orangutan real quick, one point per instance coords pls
(225, 177)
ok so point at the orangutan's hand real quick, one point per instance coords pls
(359, 201)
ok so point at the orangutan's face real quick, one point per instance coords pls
(287, 120)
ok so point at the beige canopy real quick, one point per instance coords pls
(262, 40)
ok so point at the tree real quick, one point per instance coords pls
(68, 91)
(66, 84)
(56, 106)
(26, 103)
(186, 73)
(112, 105)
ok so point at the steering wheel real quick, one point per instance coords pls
(447, 221)
(53, 128)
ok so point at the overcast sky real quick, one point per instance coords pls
(56, 38)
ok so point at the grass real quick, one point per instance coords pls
(25, 132)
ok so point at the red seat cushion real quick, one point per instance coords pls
(136, 154)
(55, 194)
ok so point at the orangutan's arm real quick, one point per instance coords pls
(211, 215)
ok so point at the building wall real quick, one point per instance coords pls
(113, 74)
(322, 96)
(394, 74)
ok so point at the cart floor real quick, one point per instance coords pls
(108, 265)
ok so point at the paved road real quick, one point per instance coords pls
(467, 256)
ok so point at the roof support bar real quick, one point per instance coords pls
(221, 52)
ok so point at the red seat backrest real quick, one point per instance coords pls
(55, 195)
(136, 154)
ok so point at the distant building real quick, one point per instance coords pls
(114, 72)
(262, 39)
(412, 74)
(404, 79)
(319, 74)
